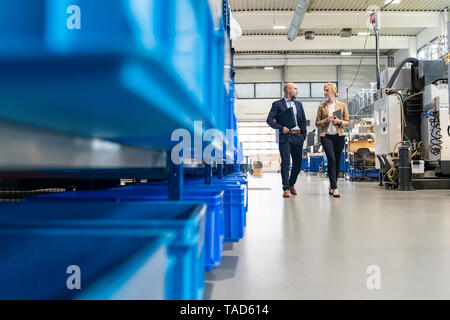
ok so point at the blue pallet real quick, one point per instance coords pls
(123, 64)
(214, 228)
(233, 206)
(186, 219)
(113, 264)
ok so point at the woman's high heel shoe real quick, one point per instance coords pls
(338, 195)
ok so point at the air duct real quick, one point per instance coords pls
(300, 10)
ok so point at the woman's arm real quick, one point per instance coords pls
(345, 117)
(319, 121)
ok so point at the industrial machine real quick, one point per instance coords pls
(411, 110)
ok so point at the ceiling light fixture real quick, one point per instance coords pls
(346, 53)
(268, 68)
(363, 33)
(309, 35)
(279, 27)
(346, 33)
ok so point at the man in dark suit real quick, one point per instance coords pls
(290, 140)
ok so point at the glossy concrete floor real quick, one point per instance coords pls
(312, 246)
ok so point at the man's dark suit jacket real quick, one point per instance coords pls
(273, 121)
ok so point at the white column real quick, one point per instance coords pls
(413, 47)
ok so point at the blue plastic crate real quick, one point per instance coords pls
(324, 168)
(238, 174)
(113, 264)
(186, 219)
(342, 167)
(242, 179)
(234, 203)
(234, 207)
(314, 163)
(229, 179)
(214, 229)
(133, 53)
(304, 164)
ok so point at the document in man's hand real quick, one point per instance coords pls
(338, 114)
(286, 118)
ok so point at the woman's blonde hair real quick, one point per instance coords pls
(332, 88)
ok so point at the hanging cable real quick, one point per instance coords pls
(413, 95)
(362, 57)
(419, 150)
(391, 173)
(402, 113)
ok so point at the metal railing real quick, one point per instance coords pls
(362, 103)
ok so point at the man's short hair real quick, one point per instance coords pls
(286, 85)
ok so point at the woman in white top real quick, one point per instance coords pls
(332, 119)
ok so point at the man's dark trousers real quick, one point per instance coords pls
(292, 146)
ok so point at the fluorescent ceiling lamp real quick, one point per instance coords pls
(363, 33)
(346, 53)
(279, 27)
(268, 68)
(393, 2)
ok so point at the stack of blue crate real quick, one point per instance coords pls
(129, 72)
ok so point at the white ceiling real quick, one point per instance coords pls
(326, 18)
(337, 5)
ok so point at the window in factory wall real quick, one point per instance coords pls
(422, 53)
(259, 144)
(245, 90)
(444, 46)
(268, 90)
(317, 89)
(304, 90)
(432, 50)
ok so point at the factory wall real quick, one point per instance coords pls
(257, 109)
